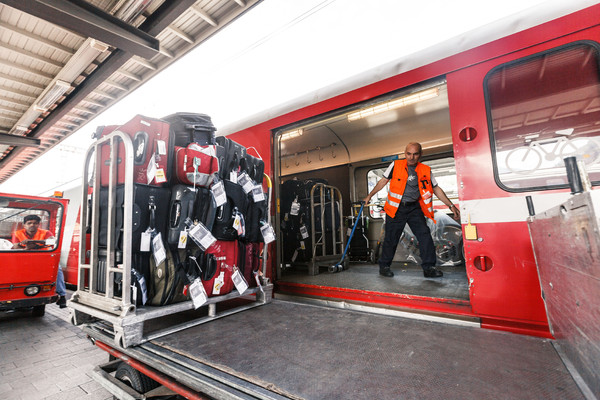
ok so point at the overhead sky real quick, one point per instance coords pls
(279, 50)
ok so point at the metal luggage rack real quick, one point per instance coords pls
(322, 254)
(89, 303)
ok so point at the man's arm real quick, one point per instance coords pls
(439, 192)
(382, 182)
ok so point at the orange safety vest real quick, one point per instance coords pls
(398, 184)
(21, 235)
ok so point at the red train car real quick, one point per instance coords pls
(496, 114)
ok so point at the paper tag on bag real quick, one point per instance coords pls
(158, 250)
(246, 183)
(197, 293)
(162, 147)
(295, 207)
(239, 281)
(151, 170)
(258, 194)
(201, 236)
(183, 235)
(233, 176)
(219, 194)
(146, 240)
(268, 233)
(159, 176)
(303, 232)
(219, 281)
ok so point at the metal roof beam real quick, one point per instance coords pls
(13, 140)
(88, 20)
(42, 40)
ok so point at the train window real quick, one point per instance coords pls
(442, 169)
(28, 225)
(542, 110)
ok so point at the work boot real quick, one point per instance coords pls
(387, 272)
(62, 302)
(432, 273)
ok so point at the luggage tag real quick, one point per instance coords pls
(295, 207)
(303, 232)
(160, 177)
(258, 194)
(200, 234)
(219, 194)
(238, 280)
(246, 183)
(143, 288)
(239, 224)
(161, 147)
(233, 176)
(146, 240)
(196, 164)
(268, 233)
(295, 255)
(151, 169)
(302, 245)
(219, 281)
(183, 236)
(158, 250)
(197, 293)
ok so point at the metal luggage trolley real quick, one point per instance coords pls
(96, 298)
(329, 246)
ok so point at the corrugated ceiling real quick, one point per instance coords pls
(62, 62)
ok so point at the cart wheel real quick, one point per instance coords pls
(39, 311)
(135, 379)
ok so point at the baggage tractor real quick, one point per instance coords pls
(189, 128)
(183, 200)
(220, 258)
(234, 155)
(196, 164)
(152, 151)
(237, 204)
(150, 209)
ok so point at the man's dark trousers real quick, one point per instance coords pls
(413, 215)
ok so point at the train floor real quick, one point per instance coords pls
(408, 279)
(302, 351)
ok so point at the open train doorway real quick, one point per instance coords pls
(327, 164)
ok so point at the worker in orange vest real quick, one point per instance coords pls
(31, 236)
(410, 200)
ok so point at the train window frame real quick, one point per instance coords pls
(544, 148)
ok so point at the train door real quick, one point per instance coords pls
(349, 149)
(516, 117)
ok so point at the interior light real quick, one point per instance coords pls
(393, 104)
(52, 95)
(565, 132)
(291, 134)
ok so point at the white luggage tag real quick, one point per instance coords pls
(218, 190)
(158, 250)
(239, 224)
(302, 245)
(219, 281)
(303, 232)
(161, 147)
(151, 170)
(238, 280)
(197, 293)
(268, 233)
(258, 194)
(196, 164)
(233, 176)
(160, 177)
(246, 183)
(200, 234)
(146, 240)
(295, 207)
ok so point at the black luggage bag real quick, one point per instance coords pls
(150, 207)
(189, 128)
(237, 202)
(235, 154)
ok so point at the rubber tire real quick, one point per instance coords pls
(39, 311)
(135, 379)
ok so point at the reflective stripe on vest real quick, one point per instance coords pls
(398, 184)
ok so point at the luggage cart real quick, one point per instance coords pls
(328, 242)
(98, 269)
